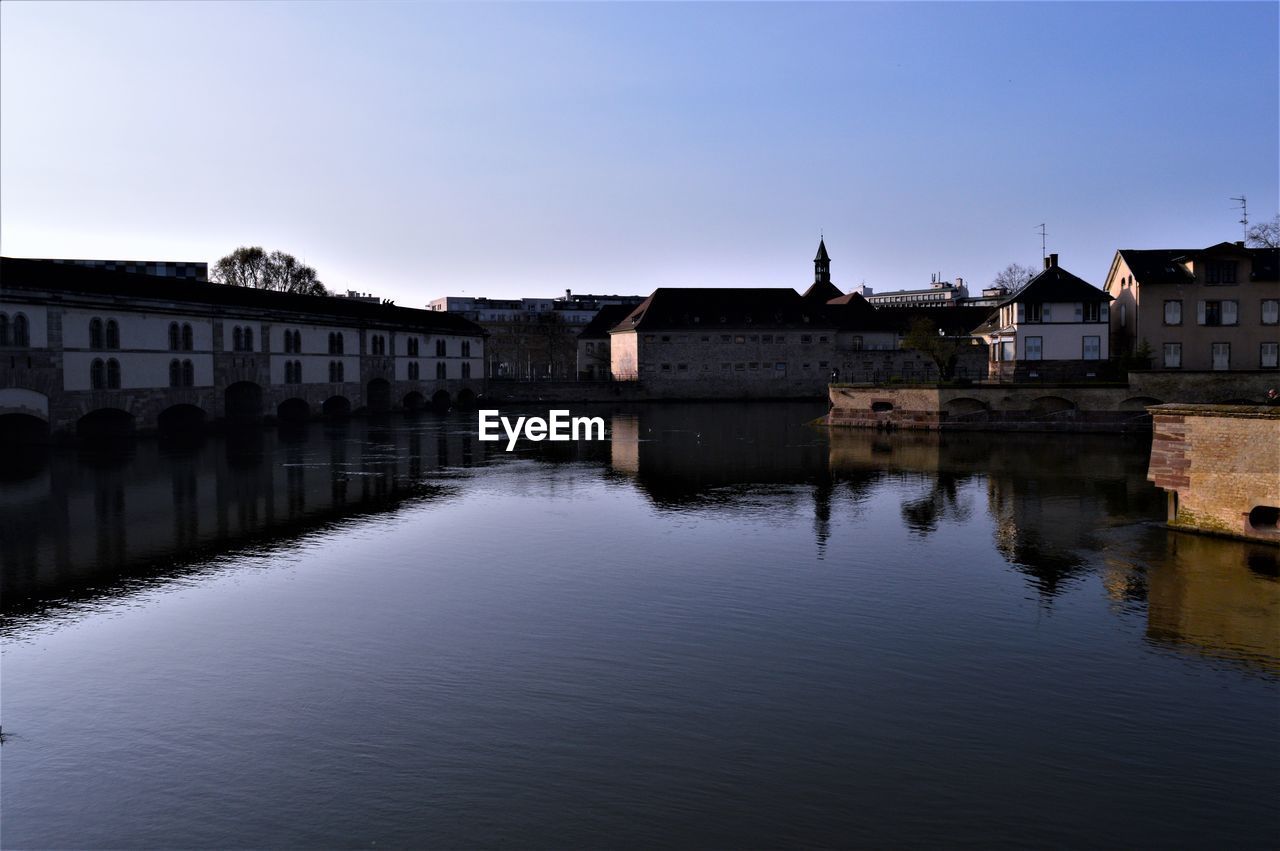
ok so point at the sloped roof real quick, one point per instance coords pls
(1056, 284)
(600, 325)
(1164, 265)
(709, 308)
(952, 321)
(20, 274)
(822, 292)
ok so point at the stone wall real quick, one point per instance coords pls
(1221, 467)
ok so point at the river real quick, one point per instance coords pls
(720, 627)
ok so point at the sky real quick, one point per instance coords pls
(419, 150)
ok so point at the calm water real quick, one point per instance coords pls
(721, 628)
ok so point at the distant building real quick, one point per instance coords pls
(939, 293)
(593, 342)
(81, 343)
(1215, 308)
(532, 337)
(1054, 328)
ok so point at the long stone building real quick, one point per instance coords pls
(88, 349)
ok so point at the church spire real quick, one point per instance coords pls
(822, 264)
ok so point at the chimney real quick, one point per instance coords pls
(1051, 261)
(567, 295)
(1240, 242)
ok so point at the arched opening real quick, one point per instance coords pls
(244, 401)
(180, 419)
(466, 399)
(105, 423)
(1137, 403)
(1047, 406)
(414, 401)
(440, 401)
(293, 411)
(22, 430)
(378, 396)
(335, 407)
(965, 407)
(1265, 518)
(881, 407)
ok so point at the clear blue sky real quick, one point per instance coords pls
(420, 150)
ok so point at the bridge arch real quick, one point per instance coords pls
(414, 401)
(243, 401)
(1137, 403)
(1048, 405)
(440, 400)
(17, 429)
(336, 406)
(966, 407)
(466, 399)
(19, 400)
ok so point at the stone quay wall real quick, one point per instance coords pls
(1220, 465)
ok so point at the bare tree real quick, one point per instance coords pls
(1265, 234)
(252, 266)
(924, 336)
(1014, 277)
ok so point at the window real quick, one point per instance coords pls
(95, 333)
(413, 347)
(1173, 312)
(1034, 347)
(466, 369)
(97, 373)
(1124, 315)
(1173, 356)
(337, 342)
(188, 374)
(780, 368)
(857, 344)
(113, 334)
(440, 370)
(21, 335)
(1092, 348)
(724, 338)
(739, 339)
(237, 339)
(666, 367)
(335, 372)
(1269, 355)
(1007, 351)
(4, 329)
(466, 349)
(1217, 313)
(1092, 312)
(440, 351)
(1270, 311)
(413, 371)
(1035, 313)
(1220, 272)
(175, 342)
(188, 337)
(1230, 313)
(113, 374)
(1221, 356)
(805, 339)
(248, 339)
(175, 370)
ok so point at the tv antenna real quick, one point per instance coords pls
(1043, 234)
(1244, 213)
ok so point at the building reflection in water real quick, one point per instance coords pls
(89, 520)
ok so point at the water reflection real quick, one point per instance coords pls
(87, 520)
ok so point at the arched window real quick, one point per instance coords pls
(4, 329)
(95, 333)
(248, 339)
(413, 371)
(175, 374)
(237, 340)
(188, 338)
(113, 374)
(97, 374)
(175, 337)
(113, 334)
(466, 348)
(188, 374)
(21, 336)
(440, 368)
(440, 348)
(297, 341)
(466, 370)
(333, 371)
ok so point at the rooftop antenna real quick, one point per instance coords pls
(1043, 234)
(1244, 213)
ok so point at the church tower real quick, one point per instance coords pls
(822, 265)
